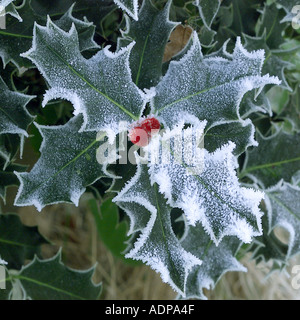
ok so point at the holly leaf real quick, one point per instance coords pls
(204, 185)
(100, 87)
(275, 158)
(18, 242)
(217, 260)
(268, 247)
(283, 208)
(52, 280)
(157, 244)
(112, 232)
(208, 10)
(66, 167)
(8, 177)
(288, 6)
(129, 6)
(9, 145)
(93, 10)
(191, 87)
(270, 25)
(273, 64)
(151, 33)
(291, 112)
(241, 133)
(7, 7)
(14, 116)
(4, 293)
(17, 36)
(236, 17)
(85, 29)
(5, 3)
(252, 104)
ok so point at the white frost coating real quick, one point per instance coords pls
(5, 3)
(113, 55)
(66, 166)
(2, 261)
(150, 246)
(89, 83)
(196, 46)
(217, 260)
(15, 117)
(58, 92)
(125, 196)
(255, 55)
(34, 202)
(213, 196)
(11, 11)
(50, 26)
(150, 93)
(133, 11)
(209, 88)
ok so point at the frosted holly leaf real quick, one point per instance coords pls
(273, 64)
(129, 6)
(217, 260)
(208, 10)
(94, 10)
(239, 132)
(283, 205)
(5, 3)
(150, 33)
(276, 157)
(288, 6)
(252, 104)
(7, 7)
(17, 36)
(66, 167)
(157, 244)
(14, 117)
(206, 189)
(209, 88)
(52, 280)
(100, 88)
(85, 29)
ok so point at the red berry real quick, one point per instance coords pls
(150, 124)
(139, 136)
(142, 133)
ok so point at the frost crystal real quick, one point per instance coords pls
(209, 192)
(100, 87)
(209, 88)
(157, 245)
